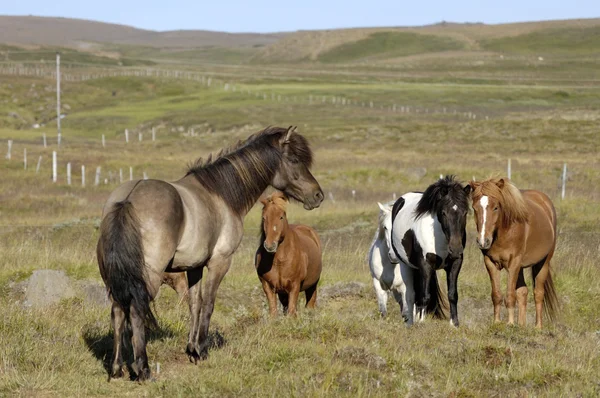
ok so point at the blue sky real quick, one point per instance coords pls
(274, 16)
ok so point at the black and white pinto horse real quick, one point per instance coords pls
(428, 234)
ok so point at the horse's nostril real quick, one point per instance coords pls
(319, 196)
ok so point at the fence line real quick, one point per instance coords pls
(79, 74)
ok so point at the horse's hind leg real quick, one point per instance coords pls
(540, 274)
(400, 297)
(140, 362)
(382, 297)
(284, 299)
(118, 322)
(522, 298)
(311, 296)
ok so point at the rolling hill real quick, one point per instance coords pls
(349, 46)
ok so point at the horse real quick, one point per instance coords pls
(516, 229)
(288, 260)
(429, 233)
(385, 266)
(150, 227)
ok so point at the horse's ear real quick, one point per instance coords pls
(500, 183)
(263, 200)
(381, 207)
(285, 138)
(468, 189)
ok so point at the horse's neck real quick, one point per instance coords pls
(429, 234)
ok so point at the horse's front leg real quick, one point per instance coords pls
(408, 276)
(426, 274)
(452, 271)
(494, 274)
(271, 298)
(514, 268)
(194, 278)
(217, 268)
(293, 299)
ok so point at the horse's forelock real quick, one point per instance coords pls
(444, 192)
(508, 196)
(299, 148)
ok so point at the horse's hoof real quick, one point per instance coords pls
(116, 373)
(145, 375)
(195, 354)
(454, 322)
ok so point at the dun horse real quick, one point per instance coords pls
(288, 259)
(515, 230)
(150, 227)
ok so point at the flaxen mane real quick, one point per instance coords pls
(239, 173)
(438, 195)
(507, 195)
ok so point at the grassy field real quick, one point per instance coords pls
(538, 116)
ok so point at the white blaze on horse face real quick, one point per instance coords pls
(484, 204)
(275, 228)
(455, 207)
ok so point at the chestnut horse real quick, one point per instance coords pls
(150, 227)
(288, 259)
(515, 230)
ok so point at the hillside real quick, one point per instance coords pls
(25, 30)
(111, 43)
(349, 45)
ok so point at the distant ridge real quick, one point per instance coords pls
(57, 31)
(576, 37)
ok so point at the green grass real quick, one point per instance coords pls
(342, 348)
(583, 41)
(389, 44)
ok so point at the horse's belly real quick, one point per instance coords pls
(185, 260)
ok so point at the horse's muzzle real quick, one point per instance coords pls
(315, 201)
(485, 245)
(270, 248)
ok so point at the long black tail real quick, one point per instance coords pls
(121, 261)
(438, 304)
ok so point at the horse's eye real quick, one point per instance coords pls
(496, 208)
(281, 218)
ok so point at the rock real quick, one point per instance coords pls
(46, 287)
(342, 289)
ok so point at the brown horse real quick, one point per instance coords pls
(288, 259)
(515, 230)
(150, 227)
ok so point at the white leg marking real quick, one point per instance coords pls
(484, 203)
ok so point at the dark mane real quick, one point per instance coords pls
(442, 193)
(239, 174)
